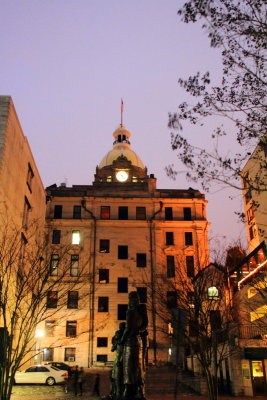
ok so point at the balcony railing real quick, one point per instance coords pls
(252, 331)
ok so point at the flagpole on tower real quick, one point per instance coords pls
(122, 112)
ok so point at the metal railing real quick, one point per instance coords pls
(252, 331)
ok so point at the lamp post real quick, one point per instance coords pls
(38, 349)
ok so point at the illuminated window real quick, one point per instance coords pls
(109, 178)
(76, 237)
(105, 212)
(213, 292)
(54, 261)
(49, 328)
(48, 355)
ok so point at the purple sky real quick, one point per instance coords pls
(67, 63)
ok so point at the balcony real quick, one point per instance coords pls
(252, 331)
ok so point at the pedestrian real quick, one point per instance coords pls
(75, 376)
(96, 385)
(81, 380)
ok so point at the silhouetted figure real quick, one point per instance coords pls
(75, 377)
(117, 370)
(81, 380)
(96, 386)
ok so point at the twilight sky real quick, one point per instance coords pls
(67, 63)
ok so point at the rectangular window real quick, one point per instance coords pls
(141, 260)
(56, 236)
(169, 238)
(172, 299)
(101, 358)
(51, 300)
(103, 275)
(76, 237)
(187, 214)
(170, 267)
(122, 252)
(122, 310)
(74, 265)
(77, 212)
(71, 328)
(123, 212)
(30, 176)
(122, 285)
(142, 294)
(48, 354)
(69, 354)
(26, 211)
(54, 261)
(105, 212)
(58, 212)
(103, 246)
(140, 212)
(102, 304)
(168, 214)
(102, 342)
(190, 268)
(188, 238)
(49, 328)
(73, 299)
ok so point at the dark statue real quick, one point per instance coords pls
(130, 343)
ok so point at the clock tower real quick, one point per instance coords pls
(121, 167)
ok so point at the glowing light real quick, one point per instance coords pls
(39, 333)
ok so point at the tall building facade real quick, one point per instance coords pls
(124, 234)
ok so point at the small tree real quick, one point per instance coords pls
(28, 279)
(239, 29)
(200, 312)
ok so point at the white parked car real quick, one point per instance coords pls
(41, 374)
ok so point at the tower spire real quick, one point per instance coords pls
(122, 107)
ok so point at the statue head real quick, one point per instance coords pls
(133, 299)
(122, 326)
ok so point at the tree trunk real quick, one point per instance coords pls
(212, 385)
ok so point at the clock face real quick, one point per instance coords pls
(122, 176)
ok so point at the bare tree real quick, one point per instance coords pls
(239, 29)
(199, 311)
(29, 281)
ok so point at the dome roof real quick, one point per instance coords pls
(115, 153)
(121, 147)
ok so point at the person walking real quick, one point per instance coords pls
(75, 376)
(96, 386)
(81, 379)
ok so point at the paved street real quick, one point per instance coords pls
(160, 386)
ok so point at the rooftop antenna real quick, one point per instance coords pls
(122, 107)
